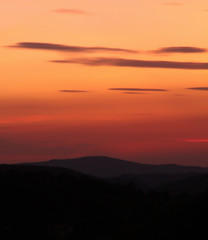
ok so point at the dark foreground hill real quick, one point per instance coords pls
(155, 180)
(190, 183)
(56, 204)
(111, 167)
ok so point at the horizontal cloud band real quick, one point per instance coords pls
(133, 93)
(181, 50)
(138, 89)
(67, 48)
(121, 62)
(74, 91)
(199, 88)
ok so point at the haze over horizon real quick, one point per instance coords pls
(126, 79)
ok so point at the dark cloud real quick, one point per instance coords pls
(135, 90)
(121, 62)
(181, 50)
(71, 11)
(173, 4)
(199, 88)
(73, 91)
(67, 48)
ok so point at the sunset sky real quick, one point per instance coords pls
(126, 79)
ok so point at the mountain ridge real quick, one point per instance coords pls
(103, 166)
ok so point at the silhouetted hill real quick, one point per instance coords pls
(47, 203)
(191, 185)
(30, 169)
(150, 181)
(111, 167)
(39, 202)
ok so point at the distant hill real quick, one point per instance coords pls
(101, 166)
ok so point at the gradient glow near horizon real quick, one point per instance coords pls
(127, 79)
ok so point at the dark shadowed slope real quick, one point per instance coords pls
(152, 180)
(39, 202)
(189, 183)
(111, 167)
(192, 185)
(21, 169)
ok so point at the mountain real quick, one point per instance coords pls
(105, 167)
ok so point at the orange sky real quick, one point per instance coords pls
(121, 78)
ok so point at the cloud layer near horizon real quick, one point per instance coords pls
(122, 62)
(67, 48)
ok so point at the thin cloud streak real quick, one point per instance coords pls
(138, 89)
(73, 91)
(182, 49)
(27, 119)
(196, 140)
(67, 48)
(71, 11)
(122, 62)
(133, 93)
(198, 88)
